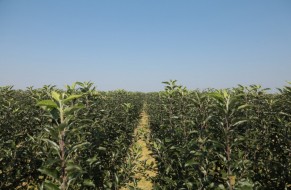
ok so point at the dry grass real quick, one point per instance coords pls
(146, 164)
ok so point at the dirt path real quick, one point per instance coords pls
(145, 164)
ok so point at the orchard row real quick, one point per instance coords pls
(79, 138)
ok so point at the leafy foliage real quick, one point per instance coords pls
(79, 138)
(72, 139)
(221, 139)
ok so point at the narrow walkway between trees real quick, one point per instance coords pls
(145, 164)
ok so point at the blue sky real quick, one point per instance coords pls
(137, 44)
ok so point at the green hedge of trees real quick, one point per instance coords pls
(76, 138)
(236, 138)
(79, 138)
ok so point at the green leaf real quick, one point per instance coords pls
(71, 109)
(50, 186)
(73, 167)
(166, 82)
(221, 156)
(55, 114)
(283, 113)
(75, 96)
(89, 183)
(221, 186)
(167, 140)
(239, 122)
(191, 162)
(92, 160)
(52, 144)
(101, 148)
(216, 95)
(189, 185)
(47, 103)
(49, 172)
(244, 106)
(55, 95)
(245, 184)
(116, 178)
(78, 146)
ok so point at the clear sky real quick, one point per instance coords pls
(137, 44)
